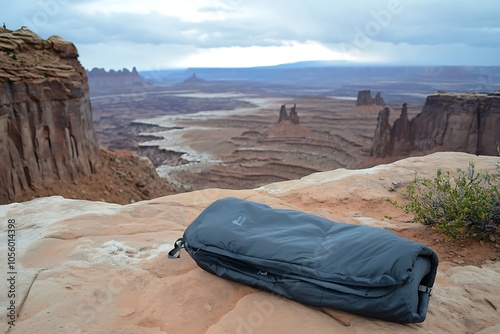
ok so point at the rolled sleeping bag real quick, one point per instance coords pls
(354, 268)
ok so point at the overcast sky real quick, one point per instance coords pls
(156, 34)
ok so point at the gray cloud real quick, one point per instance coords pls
(404, 24)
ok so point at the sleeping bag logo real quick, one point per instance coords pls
(240, 220)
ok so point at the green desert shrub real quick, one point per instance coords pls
(465, 205)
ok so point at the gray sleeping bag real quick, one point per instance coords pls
(359, 269)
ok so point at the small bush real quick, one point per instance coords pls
(498, 162)
(467, 205)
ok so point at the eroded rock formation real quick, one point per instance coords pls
(448, 122)
(100, 77)
(46, 131)
(365, 99)
(382, 133)
(292, 117)
(283, 114)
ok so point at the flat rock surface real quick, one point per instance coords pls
(94, 267)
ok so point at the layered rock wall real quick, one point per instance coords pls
(448, 122)
(46, 131)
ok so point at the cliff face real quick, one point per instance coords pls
(448, 122)
(46, 131)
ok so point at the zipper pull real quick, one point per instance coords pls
(175, 253)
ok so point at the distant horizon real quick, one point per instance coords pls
(286, 66)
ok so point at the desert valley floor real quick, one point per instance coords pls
(240, 145)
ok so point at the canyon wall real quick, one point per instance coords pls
(46, 131)
(448, 122)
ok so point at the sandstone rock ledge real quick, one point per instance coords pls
(94, 267)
